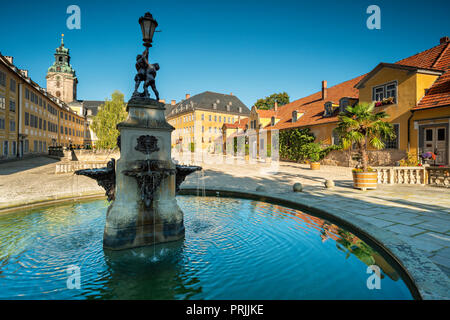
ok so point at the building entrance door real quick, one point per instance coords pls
(436, 141)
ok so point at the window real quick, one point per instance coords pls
(391, 90)
(215, 118)
(27, 146)
(5, 148)
(203, 129)
(12, 106)
(65, 116)
(2, 79)
(27, 119)
(393, 144)
(335, 138)
(27, 94)
(441, 134)
(209, 117)
(14, 148)
(294, 116)
(328, 109)
(387, 90)
(65, 130)
(12, 125)
(40, 123)
(35, 146)
(203, 117)
(12, 85)
(210, 130)
(272, 121)
(62, 129)
(2, 102)
(2, 124)
(343, 104)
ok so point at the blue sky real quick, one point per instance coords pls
(248, 47)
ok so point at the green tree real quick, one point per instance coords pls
(269, 102)
(293, 142)
(360, 125)
(109, 115)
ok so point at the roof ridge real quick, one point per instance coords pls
(438, 59)
(421, 52)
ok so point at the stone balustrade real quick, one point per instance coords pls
(439, 176)
(402, 175)
(71, 166)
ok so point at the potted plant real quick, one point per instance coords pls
(313, 153)
(360, 126)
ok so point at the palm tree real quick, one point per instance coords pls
(360, 125)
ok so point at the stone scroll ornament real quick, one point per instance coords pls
(147, 144)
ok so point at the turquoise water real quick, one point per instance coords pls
(233, 249)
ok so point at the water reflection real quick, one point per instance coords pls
(233, 249)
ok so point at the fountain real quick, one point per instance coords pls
(142, 184)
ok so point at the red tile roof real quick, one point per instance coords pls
(313, 106)
(238, 124)
(437, 57)
(267, 113)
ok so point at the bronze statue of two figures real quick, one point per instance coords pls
(146, 72)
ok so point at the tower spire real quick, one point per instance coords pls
(62, 39)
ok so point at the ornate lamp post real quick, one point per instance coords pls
(148, 27)
(146, 72)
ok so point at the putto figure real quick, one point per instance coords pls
(146, 72)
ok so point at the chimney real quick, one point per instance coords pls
(24, 72)
(10, 59)
(231, 93)
(188, 96)
(162, 100)
(324, 89)
(444, 40)
(173, 102)
(275, 107)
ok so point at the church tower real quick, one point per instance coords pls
(61, 78)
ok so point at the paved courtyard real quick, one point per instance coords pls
(416, 214)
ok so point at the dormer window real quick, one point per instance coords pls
(228, 108)
(328, 109)
(343, 104)
(240, 109)
(272, 121)
(294, 116)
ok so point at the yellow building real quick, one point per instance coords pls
(198, 120)
(252, 127)
(415, 92)
(31, 119)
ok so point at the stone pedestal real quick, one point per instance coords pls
(145, 210)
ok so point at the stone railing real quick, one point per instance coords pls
(71, 166)
(402, 175)
(439, 176)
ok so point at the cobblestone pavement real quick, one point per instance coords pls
(419, 215)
